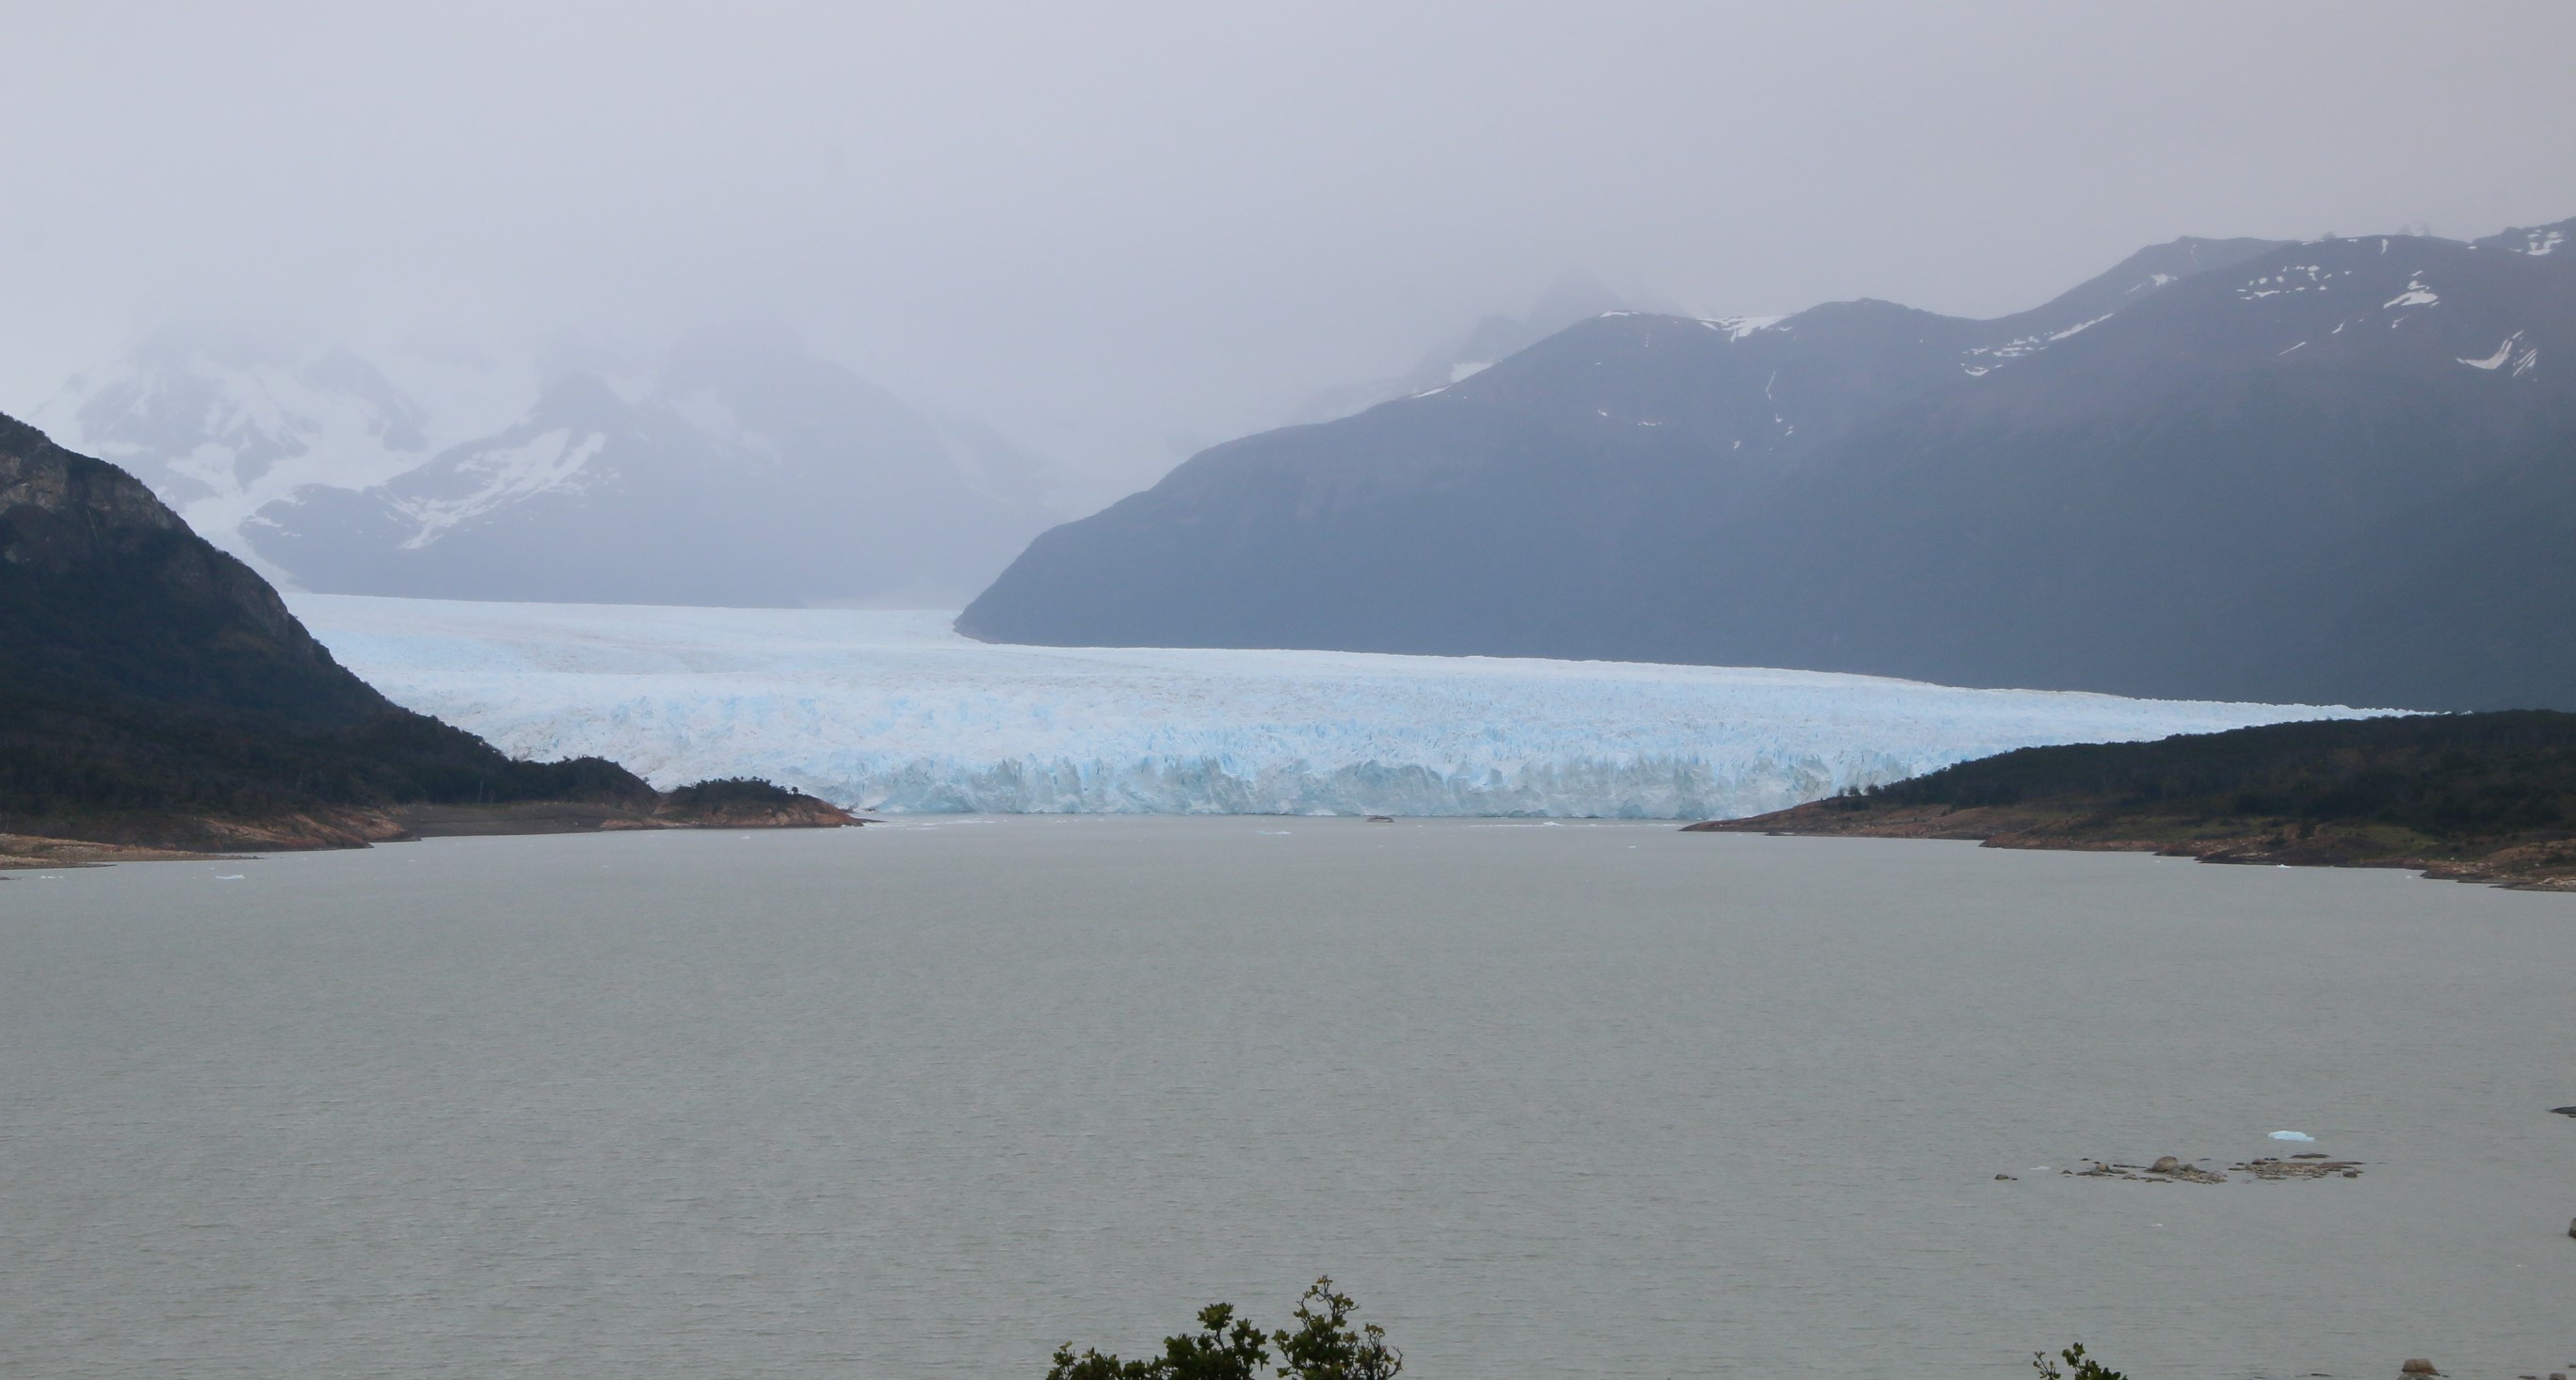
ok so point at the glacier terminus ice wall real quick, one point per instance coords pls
(893, 712)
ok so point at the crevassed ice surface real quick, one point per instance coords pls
(892, 711)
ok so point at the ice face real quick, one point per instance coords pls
(894, 712)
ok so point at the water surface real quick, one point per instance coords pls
(1552, 1101)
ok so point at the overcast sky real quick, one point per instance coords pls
(1111, 225)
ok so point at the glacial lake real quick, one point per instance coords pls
(924, 1100)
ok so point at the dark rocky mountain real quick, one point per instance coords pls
(2330, 472)
(744, 471)
(155, 690)
(104, 591)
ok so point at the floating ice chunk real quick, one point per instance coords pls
(229, 877)
(2293, 1135)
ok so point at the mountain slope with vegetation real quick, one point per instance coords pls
(156, 691)
(2477, 797)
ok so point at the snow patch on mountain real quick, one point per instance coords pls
(2024, 346)
(1738, 327)
(2496, 360)
(551, 460)
(2415, 295)
(2294, 278)
(894, 712)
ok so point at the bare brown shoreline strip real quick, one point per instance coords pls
(2543, 866)
(361, 828)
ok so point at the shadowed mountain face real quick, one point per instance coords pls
(2331, 472)
(103, 590)
(154, 689)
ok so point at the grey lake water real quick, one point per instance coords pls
(925, 1100)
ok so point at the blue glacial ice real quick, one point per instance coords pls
(894, 712)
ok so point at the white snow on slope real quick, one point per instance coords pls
(1738, 327)
(2496, 360)
(2415, 295)
(892, 711)
(221, 424)
(502, 474)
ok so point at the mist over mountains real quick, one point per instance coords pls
(2330, 471)
(738, 467)
(2333, 471)
(1573, 297)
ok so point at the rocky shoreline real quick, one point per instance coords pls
(206, 838)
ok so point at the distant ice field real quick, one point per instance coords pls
(893, 712)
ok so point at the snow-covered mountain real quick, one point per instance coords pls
(738, 468)
(222, 422)
(742, 470)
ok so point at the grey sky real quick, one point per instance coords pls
(1105, 225)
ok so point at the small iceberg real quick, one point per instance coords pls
(2293, 1135)
(228, 877)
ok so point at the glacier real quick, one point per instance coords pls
(894, 712)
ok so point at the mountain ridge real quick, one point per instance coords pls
(1801, 492)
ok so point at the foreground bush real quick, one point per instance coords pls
(1323, 1346)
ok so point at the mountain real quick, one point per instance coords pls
(740, 468)
(2332, 472)
(1574, 297)
(154, 689)
(744, 471)
(221, 422)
